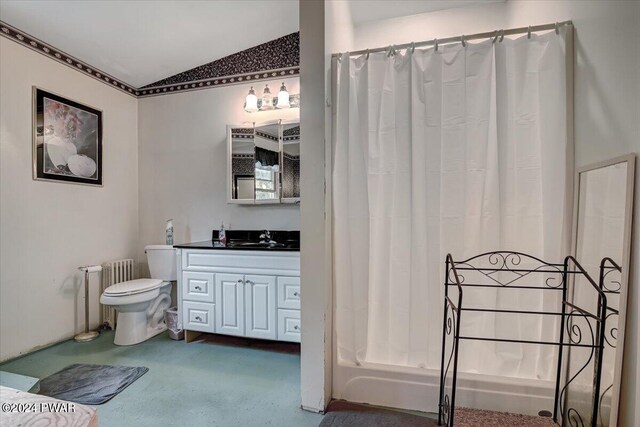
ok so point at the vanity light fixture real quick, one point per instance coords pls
(283, 97)
(251, 102)
(267, 99)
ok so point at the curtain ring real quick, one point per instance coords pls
(367, 54)
(495, 37)
(435, 44)
(557, 28)
(529, 32)
(391, 50)
(501, 35)
(464, 43)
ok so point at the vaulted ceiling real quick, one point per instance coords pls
(162, 43)
(142, 42)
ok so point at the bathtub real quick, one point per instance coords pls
(418, 389)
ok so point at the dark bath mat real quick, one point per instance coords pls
(347, 414)
(89, 384)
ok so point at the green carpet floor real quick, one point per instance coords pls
(218, 382)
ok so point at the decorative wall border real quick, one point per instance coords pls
(276, 54)
(242, 133)
(58, 55)
(266, 136)
(291, 134)
(33, 43)
(292, 131)
(220, 81)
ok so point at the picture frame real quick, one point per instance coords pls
(67, 140)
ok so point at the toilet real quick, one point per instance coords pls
(141, 303)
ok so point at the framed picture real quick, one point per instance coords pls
(67, 140)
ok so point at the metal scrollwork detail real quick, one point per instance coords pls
(576, 336)
(451, 276)
(451, 319)
(611, 331)
(574, 418)
(612, 285)
(509, 263)
(450, 329)
(446, 410)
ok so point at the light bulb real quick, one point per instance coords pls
(267, 99)
(251, 102)
(283, 97)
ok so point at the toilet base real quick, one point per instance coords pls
(127, 334)
(141, 315)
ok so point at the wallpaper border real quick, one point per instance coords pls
(51, 52)
(58, 55)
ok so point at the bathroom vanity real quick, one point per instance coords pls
(245, 289)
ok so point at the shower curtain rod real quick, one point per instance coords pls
(464, 38)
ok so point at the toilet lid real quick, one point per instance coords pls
(133, 287)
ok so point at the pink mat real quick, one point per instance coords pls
(467, 417)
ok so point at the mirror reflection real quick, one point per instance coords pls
(291, 161)
(242, 163)
(267, 162)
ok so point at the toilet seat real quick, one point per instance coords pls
(133, 287)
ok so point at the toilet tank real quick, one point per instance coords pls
(162, 262)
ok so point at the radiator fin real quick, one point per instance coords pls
(113, 272)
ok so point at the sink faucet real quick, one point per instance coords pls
(265, 237)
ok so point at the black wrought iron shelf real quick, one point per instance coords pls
(503, 270)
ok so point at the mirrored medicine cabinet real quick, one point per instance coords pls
(263, 163)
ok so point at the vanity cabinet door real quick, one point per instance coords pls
(230, 301)
(260, 307)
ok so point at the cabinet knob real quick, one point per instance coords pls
(248, 282)
(198, 288)
(240, 281)
(199, 319)
(296, 294)
(296, 327)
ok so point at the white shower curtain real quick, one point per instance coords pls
(461, 150)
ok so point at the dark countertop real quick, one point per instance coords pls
(215, 245)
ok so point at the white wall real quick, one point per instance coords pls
(183, 166)
(48, 229)
(607, 100)
(315, 264)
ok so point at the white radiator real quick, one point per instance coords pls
(114, 272)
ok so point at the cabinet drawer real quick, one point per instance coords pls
(198, 316)
(289, 325)
(247, 262)
(289, 292)
(198, 286)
